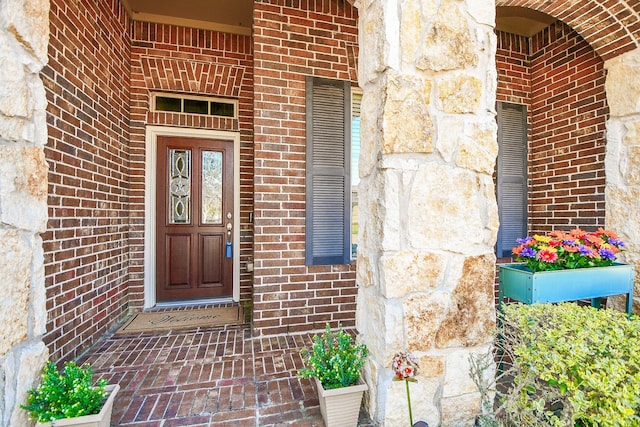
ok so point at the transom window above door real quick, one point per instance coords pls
(176, 103)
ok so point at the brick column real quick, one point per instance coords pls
(429, 215)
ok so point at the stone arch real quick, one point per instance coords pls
(610, 31)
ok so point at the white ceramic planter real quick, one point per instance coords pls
(340, 407)
(101, 419)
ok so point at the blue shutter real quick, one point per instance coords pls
(511, 176)
(328, 182)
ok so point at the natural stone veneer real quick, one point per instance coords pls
(24, 31)
(426, 262)
(622, 193)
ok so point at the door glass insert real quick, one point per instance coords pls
(180, 186)
(211, 187)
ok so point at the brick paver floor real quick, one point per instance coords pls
(207, 377)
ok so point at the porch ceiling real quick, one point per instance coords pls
(236, 16)
(522, 21)
(231, 16)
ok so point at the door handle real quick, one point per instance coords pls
(228, 253)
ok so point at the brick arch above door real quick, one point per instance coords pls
(609, 31)
(191, 76)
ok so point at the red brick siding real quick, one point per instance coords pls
(569, 111)
(293, 39)
(514, 69)
(172, 59)
(561, 80)
(609, 26)
(85, 246)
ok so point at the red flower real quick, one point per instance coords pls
(607, 233)
(546, 255)
(558, 234)
(594, 239)
(577, 233)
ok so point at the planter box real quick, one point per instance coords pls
(101, 419)
(519, 283)
(340, 407)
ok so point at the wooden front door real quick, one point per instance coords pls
(194, 208)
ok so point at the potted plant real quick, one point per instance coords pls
(335, 361)
(567, 266)
(69, 398)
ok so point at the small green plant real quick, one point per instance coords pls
(334, 359)
(65, 394)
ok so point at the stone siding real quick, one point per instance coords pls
(623, 161)
(428, 150)
(24, 31)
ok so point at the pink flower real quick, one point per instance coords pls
(405, 366)
(547, 256)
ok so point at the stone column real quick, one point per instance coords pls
(622, 161)
(427, 200)
(24, 32)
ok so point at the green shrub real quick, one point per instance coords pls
(66, 394)
(333, 359)
(567, 365)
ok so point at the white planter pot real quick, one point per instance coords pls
(101, 419)
(340, 407)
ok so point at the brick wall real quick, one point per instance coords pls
(561, 80)
(86, 249)
(569, 111)
(171, 59)
(293, 39)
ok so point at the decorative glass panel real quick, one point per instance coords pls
(179, 186)
(211, 187)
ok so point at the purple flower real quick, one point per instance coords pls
(607, 254)
(528, 252)
(525, 240)
(584, 250)
(616, 242)
(569, 242)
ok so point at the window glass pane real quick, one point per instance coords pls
(211, 187)
(179, 186)
(222, 109)
(196, 106)
(165, 103)
(356, 100)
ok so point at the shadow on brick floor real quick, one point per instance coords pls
(208, 377)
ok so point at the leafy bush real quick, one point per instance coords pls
(65, 394)
(333, 359)
(567, 365)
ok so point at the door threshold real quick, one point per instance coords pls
(191, 302)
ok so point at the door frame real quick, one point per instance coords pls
(151, 160)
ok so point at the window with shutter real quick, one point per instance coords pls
(328, 180)
(511, 176)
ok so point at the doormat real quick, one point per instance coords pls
(163, 321)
